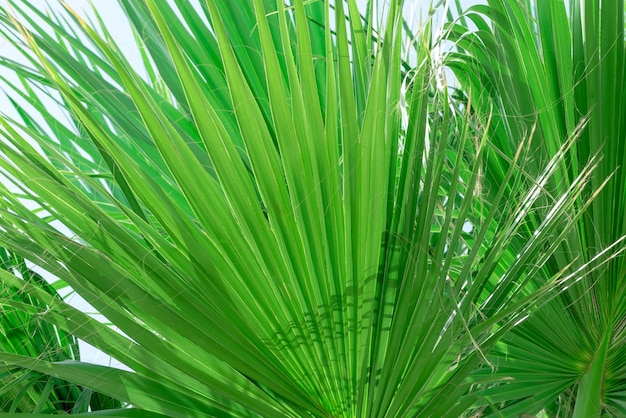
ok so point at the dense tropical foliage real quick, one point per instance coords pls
(25, 334)
(549, 69)
(290, 209)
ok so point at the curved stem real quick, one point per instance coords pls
(589, 396)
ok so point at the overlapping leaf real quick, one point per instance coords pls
(255, 218)
(542, 65)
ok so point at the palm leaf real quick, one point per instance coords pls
(255, 219)
(25, 334)
(540, 64)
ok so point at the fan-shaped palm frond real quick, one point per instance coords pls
(255, 218)
(544, 67)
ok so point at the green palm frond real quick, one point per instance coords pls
(254, 216)
(541, 65)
